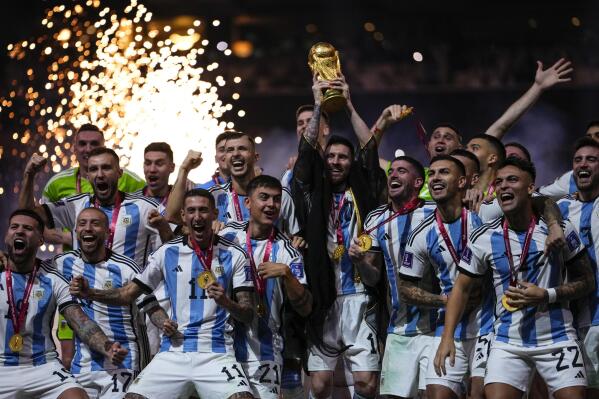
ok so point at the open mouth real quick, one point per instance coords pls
(440, 148)
(269, 214)
(437, 187)
(102, 186)
(584, 174)
(198, 227)
(19, 244)
(88, 238)
(152, 179)
(394, 184)
(238, 163)
(506, 197)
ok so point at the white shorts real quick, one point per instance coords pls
(171, 374)
(470, 359)
(561, 365)
(590, 338)
(264, 377)
(47, 381)
(345, 325)
(412, 353)
(111, 384)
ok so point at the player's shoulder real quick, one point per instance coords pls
(228, 245)
(58, 178)
(65, 256)
(132, 175)
(218, 188)
(47, 269)
(140, 199)
(376, 213)
(422, 228)
(568, 198)
(565, 223)
(486, 228)
(286, 244)
(124, 261)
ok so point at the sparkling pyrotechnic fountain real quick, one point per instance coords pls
(118, 69)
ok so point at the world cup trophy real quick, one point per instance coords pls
(323, 60)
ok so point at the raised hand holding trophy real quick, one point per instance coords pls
(323, 60)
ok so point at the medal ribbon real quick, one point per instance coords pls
(205, 258)
(115, 217)
(490, 189)
(78, 182)
(236, 205)
(164, 199)
(259, 281)
(17, 320)
(450, 247)
(337, 221)
(407, 208)
(525, 247)
(215, 179)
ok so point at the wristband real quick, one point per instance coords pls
(551, 295)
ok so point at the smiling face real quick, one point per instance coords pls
(198, 214)
(157, 169)
(221, 157)
(514, 188)
(403, 181)
(443, 141)
(103, 172)
(338, 163)
(264, 204)
(593, 132)
(302, 121)
(240, 156)
(446, 181)
(91, 230)
(23, 238)
(585, 167)
(85, 141)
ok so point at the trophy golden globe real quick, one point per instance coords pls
(323, 60)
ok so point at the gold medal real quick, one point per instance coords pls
(365, 242)
(507, 306)
(338, 252)
(357, 278)
(261, 308)
(16, 343)
(205, 278)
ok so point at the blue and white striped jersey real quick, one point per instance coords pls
(205, 325)
(562, 186)
(223, 196)
(425, 249)
(391, 239)
(345, 271)
(133, 235)
(118, 322)
(532, 326)
(50, 290)
(585, 218)
(262, 340)
(286, 178)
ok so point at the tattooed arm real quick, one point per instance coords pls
(548, 208)
(581, 279)
(313, 128)
(414, 295)
(161, 320)
(368, 263)
(92, 335)
(116, 296)
(299, 296)
(242, 309)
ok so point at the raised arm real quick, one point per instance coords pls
(175, 199)
(548, 208)
(92, 335)
(544, 79)
(34, 166)
(414, 295)
(360, 128)
(390, 115)
(79, 287)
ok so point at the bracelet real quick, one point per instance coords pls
(551, 295)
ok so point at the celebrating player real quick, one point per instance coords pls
(437, 243)
(31, 292)
(201, 272)
(533, 328)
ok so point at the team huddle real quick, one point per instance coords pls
(350, 276)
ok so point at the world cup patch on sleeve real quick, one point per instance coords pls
(297, 269)
(573, 241)
(467, 255)
(248, 273)
(408, 259)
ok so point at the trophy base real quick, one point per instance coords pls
(333, 101)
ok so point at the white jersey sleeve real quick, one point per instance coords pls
(474, 259)
(574, 245)
(287, 221)
(242, 272)
(415, 258)
(562, 186)
(63, 213)
(153, 274)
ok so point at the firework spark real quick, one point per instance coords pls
(117, 69)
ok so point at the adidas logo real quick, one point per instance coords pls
(480, 356)
(441, 248)
(178, 269)
(274, 390)
(580, 374)
(242, 383)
